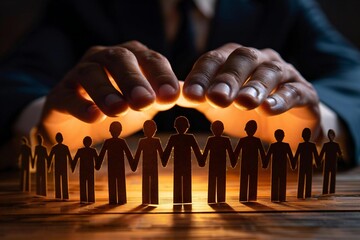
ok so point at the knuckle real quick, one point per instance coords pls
(273, 66)
(272, 53)
(214, 56)
(135, 43)
(116, 53)
(153, 56)
(248, 53)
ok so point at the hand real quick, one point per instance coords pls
(235, 84)
(121, 81)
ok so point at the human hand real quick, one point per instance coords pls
(235, 84)
(121, 81)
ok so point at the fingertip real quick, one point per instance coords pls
(167, 93)
(219, 94)
(248, 98)
(194, 92)
(274, 105)
(115, 104)
(140, 98)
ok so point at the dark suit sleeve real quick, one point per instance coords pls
(327, 60)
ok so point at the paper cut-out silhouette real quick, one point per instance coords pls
(61, 155)
(115, 148)
(150, 147)
(40, 161)
(331, 150)
(280, 153)
(182, 143)
(308, 153)
(88, 157)
(25, 158)
(250, 147)
(217, 146)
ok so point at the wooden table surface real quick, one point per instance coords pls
(26, 216)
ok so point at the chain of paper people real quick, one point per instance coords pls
(182, 144)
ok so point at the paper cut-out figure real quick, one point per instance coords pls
(332, 152)
(308, 153)
(61, 155)
(250, 147)
(88, 157)
(115, 148)
(25, 158)
(150, 147)
(182, 143)
(217, 146)
(280, 153)
(40, 161)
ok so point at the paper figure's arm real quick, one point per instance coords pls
(262, 152)
(316, 156)
(129, 155)
(101, 156)
(197, 151)
(167, 151)
(205, 153)
(137, 156)
(231, 153)
(33, 159)
(267, 157)
(75, 161)
(291, 157)
(68, 155)
(50, 159)
(159, 148)
(237, 153)
(296, 157)
(322, 153)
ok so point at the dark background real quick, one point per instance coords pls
(18, 16)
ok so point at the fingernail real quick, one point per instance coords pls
(113, 99)
(166, 90)
(140, 92)
(221, 88)
(195, 90)
(252, 92)
(271, 101)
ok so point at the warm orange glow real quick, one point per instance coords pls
(234, 119)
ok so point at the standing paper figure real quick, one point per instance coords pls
(115, 148)
(250, 147)
(88, 157)
(217, 146)
(332, 152)
(308, 153)
(150, 147)
(61, 155)
(281, 154)
(25, 157)
(182, 143)
(40, 161)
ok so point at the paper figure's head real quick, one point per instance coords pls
(24, 140)
(181, 124)
(331, 134)
(59, 138)
(149, 128)
(217, 128)
(87, 141)
(115, 129)
(250, 128)
(306, 134)
(39, 139)
(279, 135)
